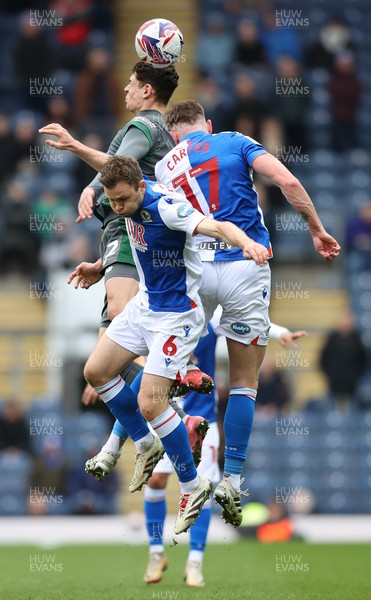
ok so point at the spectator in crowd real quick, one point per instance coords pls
(215, 50)
(6, 139)
(72, 37)
(333, 39)
(358, 230)
(273, 392)
(272, 136)
(97, 93)
(343, 360)
(248, 110)
(24, 137)
(48, 479)
(358, 238)
(345, 92)
(59, 110)
(290, 100)
(217, 108)
(279, 40)
(34, 59)
(14, 432)
(19, 243)
(83, 172)
(55, 215)
(232, 10)
(249, 49)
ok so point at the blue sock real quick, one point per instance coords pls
(238, 422)
(119, 429)
(176, 446)
(155, 513)
(135, 384)
(199, 530)
(174, 437)
(123, 405)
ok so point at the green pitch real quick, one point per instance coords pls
(245, 570)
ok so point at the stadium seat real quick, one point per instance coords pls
(15, 488)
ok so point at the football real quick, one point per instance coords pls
(159, 42)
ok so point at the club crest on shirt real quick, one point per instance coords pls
(146, 216)
(184, 210)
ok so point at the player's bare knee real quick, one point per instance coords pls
(146, 406)
(92, 375)
(158, 481)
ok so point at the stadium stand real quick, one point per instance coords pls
(326, 455)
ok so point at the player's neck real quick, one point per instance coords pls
(152, 105)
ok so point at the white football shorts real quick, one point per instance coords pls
(242, 288)
(167, 339)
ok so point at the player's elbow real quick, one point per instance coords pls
(291, 185)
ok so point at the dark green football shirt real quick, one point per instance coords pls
(146, 139)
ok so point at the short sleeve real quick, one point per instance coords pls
(251, 148)
(179, 214)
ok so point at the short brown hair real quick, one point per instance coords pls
(185, 111)
(164, 81)
(121, 168)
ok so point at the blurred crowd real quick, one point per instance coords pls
(63, 74)
(300, 90)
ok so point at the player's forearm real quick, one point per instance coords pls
(94, 158)
(231, 234)
(296, 195)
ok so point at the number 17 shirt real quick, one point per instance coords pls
(214, 171)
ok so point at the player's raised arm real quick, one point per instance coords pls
(270, 167)
(65, 141)
(233, 235)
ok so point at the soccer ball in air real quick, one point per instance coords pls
(159, 43)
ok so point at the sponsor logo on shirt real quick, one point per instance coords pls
(184, 210)
(240, 328)
(136, 233)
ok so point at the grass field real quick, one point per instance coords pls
(245, 570)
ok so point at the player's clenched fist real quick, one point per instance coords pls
(258, 253)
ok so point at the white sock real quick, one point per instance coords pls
(156, 548)
(144, 443)
(187, 487)
(234, 479)
(166, 422)
(113, 444)
(196, 556)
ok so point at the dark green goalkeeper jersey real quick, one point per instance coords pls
(146, 139)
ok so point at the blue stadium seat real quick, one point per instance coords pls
(15, 488)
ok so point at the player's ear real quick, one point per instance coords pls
(175, 135)
(209, 126)
(148, 89)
